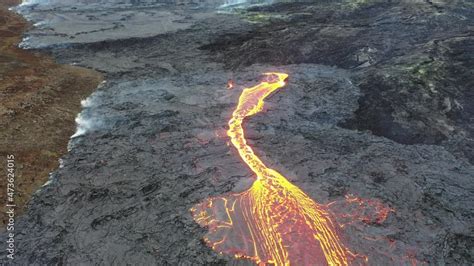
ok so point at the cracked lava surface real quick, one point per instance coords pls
(273, 221)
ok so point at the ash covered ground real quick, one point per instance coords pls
(379, 105)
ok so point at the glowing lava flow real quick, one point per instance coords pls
(273, 222)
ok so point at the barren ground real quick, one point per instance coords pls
(379, 105)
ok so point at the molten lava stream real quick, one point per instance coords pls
(273, 222)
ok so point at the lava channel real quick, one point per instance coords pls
(273, 222)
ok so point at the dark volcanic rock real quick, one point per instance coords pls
(412, 62)
(378, 105)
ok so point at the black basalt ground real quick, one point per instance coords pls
(378, 105)
(412, 62)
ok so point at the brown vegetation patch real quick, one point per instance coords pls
(39, 100)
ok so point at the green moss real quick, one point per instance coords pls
(426, 73)
(258, 17)
(428, 70)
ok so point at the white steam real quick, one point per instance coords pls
(84, 121)
(83, 125)
(25, 43)
(32, 2)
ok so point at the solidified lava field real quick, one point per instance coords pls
(374, 124)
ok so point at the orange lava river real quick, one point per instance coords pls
(273, 222)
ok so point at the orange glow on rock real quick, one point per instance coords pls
(273, 222)
(230, 84)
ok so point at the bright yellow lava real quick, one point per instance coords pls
(273, 222)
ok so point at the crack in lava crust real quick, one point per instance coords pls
(273, 222)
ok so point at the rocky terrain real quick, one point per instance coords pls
(378, 105)
(39, 100)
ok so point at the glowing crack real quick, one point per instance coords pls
(273, 222)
